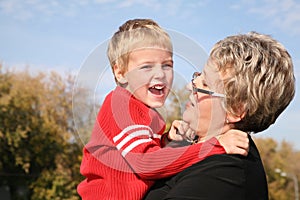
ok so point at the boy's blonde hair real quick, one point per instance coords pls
(135, 34)
(260, 78)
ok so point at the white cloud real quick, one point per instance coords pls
(15, 9)
(104, 1)
(153, 4)
(283, 14)
(7, 6)
(28, 9)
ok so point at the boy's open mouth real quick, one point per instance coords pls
(157, 89)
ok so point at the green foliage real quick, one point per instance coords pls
(38, 154)
(281, 164)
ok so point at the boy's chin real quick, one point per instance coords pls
(156, 104)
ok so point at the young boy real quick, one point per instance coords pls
(124, 155)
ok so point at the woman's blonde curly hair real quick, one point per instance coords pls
(261, 82)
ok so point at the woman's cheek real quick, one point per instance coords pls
(190, 118)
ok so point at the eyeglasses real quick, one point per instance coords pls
(195, 89)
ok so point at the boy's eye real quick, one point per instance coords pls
(146, 67)
(167, 66)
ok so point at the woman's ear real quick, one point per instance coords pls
(231, 118)
(119, 74)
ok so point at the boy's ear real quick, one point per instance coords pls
(119, 75)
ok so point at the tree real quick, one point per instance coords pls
(281, 163)
(40, 156)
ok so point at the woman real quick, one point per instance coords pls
(246, 83)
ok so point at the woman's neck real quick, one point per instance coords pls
(213, 133)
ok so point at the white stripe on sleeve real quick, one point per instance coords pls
(133, 135)
(134, 144)
(129, 128)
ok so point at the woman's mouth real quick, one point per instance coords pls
(189, 104)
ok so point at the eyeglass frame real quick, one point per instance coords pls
(195, 89)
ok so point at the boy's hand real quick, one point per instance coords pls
(235, 142)
(181, 131)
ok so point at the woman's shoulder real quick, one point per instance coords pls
(221, 164)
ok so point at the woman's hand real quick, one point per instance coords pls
(235, 142)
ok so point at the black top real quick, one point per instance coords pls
(232, 177)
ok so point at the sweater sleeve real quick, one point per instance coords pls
(141, 150)
(157, 162)
(129, 131)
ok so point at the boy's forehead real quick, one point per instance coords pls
(149, 43)
(149, 48)
(150, 53)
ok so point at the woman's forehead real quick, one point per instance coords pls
(210, 71)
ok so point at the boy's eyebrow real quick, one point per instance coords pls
(169, 60)
(153, 62)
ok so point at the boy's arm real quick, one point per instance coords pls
(149, 161)
(156, 162)
(137, 143)
(234, 141)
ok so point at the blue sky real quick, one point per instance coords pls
(61, 35)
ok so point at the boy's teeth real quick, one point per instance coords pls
(158, 87)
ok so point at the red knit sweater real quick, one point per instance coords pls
(123, 157)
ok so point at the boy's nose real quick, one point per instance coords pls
(159, 72)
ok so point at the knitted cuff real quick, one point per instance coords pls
(164, 138)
